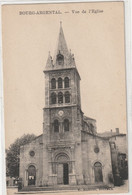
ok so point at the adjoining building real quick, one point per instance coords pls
(69, 151)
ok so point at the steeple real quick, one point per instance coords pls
(62, 46)
(62, 57)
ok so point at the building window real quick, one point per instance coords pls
(56, 125)
(60, 97)
(32, 153)
(60, 59)
(59, 82)
(67, 97)
(66, 125)
(53, 83)
(66, 82)
(113, 146)
(53, 98)
(96, 149)
(7, 183)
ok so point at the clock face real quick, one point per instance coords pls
(60, 112)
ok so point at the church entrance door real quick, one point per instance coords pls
(98, 172)
(63, 173)
(31, 175)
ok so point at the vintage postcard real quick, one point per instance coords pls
(65, 98)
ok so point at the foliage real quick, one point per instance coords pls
(12, 154)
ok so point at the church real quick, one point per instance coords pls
(69, 151)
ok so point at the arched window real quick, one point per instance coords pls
(66, 125)
(66, 82)
(67, 97)
(59, 82)
(60, 59)
(60, 97)
(53, 83)
(53, 98)
(56, 125)
(98, 172)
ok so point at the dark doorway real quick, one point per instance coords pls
(98, 172)
(65, 174)
(31, 175)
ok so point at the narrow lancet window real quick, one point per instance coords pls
(56, 125)
(66, 82)
(67, 97)
(66, 125)
(53, 98)
(53, 83)
(59, 82)
(60, 97)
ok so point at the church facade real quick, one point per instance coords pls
(69, 152)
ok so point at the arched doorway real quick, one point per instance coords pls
(98, 172)
(31, 175)
(62, 169)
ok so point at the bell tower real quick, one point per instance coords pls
(62, 76)
(62, 113)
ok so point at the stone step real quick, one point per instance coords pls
(66, 187)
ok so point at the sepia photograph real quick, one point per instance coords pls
(64, 75)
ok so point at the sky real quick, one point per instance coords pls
(97, 41)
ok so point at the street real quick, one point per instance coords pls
(121, 189)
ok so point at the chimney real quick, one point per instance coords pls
(117, 130)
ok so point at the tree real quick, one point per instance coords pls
(12, 154)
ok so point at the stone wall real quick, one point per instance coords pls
(120, 142)
(96, 149)
(26, 159)
(119, 155)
